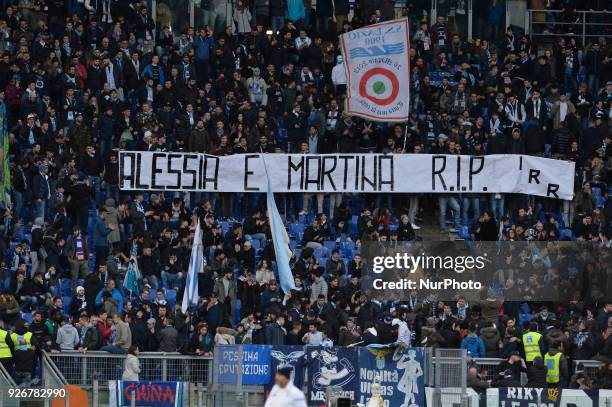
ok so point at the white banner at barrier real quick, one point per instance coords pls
(369, 173)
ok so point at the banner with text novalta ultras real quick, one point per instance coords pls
(401, 373)
(366, 173)
(377, 63)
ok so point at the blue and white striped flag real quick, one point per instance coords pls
(133, 276)
(196, 264)
(280, 239)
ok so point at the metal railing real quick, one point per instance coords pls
(586, 24)
(6, 382)
(591, 367)
(83, 369)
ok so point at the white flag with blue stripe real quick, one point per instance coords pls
(280, 240)
(196, 264)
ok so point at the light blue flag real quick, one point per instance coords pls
(280, 239)
(133, 276)
(196, 264)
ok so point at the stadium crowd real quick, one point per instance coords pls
(80, 80)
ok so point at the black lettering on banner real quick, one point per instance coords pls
(552, 190)
(366, 180)
(293, 167)
(458, 174)
(201, 171)
(215, 178)
(156, 170)
(435, 171)
(357, 173)
(173, 171)
(533, 175)
(247, 157)
(381, 179)
(193, 173)
(138, 171)
(345, 158)
(474, 170)
(129, 177)
(317, 180)
(325, 172)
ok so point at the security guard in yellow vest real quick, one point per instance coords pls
(6, 350)
(532, 342)
(556, 368)
(25, 353)
(22, 342)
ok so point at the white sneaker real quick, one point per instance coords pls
(415, 227)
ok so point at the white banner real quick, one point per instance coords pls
(377, 63)
(369, 173)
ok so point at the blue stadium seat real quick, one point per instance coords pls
(256, 244)
(65, 287)
(171, 298)
(565, 234)
(66, 300)
(596, 191)
(27, 316)
(292, 244)
(318, 253)
(330, 245)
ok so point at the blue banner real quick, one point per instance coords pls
(255, 364)
(148, 394)
(292, 357)
(334, 366)
(401, 373)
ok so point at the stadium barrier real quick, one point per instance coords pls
(92, 371)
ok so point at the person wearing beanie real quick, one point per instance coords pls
(285, 393)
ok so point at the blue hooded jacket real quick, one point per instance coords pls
(474, 345)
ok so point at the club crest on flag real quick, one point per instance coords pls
(377, 64)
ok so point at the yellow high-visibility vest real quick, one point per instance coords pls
(553, 367)
(531, 345)
(5, 351)
(27, 337)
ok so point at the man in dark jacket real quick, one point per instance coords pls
(168, 337)
(274, 332)
(41, 191)
(296, 126)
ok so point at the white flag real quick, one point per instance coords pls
(196, 263)
(377, 62)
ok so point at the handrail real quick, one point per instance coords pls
(543, 10)
(582, 22)
(141, 355)
(6, 378)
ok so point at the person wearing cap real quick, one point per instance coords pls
(78, 303)
(510, 369)
(284, 393)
